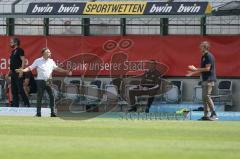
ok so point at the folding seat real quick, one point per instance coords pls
(174, 95)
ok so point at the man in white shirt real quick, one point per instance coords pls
(45, 66)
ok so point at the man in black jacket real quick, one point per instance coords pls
(17, 60)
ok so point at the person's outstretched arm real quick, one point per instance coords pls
(27, 69)
(58, 69)
(20, 70)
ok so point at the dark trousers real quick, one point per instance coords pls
(17, 88)
(151, 92)
(41, 87)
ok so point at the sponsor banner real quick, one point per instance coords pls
(55, 8)
(178, 8)
(127, 55)
(112, 8)
(18, 111)
(120, 8)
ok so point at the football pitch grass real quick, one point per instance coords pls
(55, 138)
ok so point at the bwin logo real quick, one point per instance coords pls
(161, 9)
(189, 9)
(64, 9)
(44, 9)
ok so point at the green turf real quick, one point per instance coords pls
(45, 138)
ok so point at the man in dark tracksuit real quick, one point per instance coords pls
(208, 77)
(17, 60)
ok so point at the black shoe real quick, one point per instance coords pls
(132, 109)
(38, 115)
(205, 118)
(53, 115)
(214, 116)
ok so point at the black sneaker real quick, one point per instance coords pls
(132, 109)
(214, 116)
(38, 115)
(205, 118)
(53, 115)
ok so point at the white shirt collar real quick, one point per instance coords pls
(44, 59)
